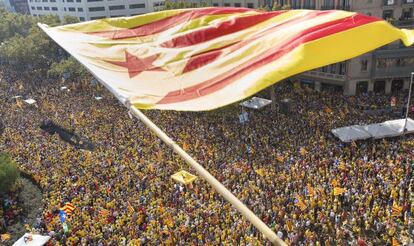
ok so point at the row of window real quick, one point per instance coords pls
(45, 8)
(117, 7)
(238, 5)
(92, 9)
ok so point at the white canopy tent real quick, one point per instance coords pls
(351, 133)
(36, 240)
(391, 128)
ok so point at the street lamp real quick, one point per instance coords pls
(408, 103)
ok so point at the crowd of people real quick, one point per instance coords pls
(310, 188)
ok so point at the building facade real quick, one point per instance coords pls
(18, 6)
(92, 9)
(385, 70)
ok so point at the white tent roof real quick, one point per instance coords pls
(255, 103)
(381, 130)
(38, 240)
(391, 128)
(398, 125)
(351, 133)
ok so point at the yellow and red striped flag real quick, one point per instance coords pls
(104, 212)
(68, 208)
(396, 210)
(205, 58)
(338, 191)
(299, 202)
(311, 190)
(395, 242)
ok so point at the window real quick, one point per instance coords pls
(54, 8)
(94, 1)
(82, 18)
(387, 14)
(39, 8)
(389, 2)
(78, 1)
(80, 9)
(95, 9)
(69, 1)
(72, 9)
(137, 6)
(237, 5)
(64, 9)
(116, 7)
(53, 1)
(215, 4)
(97, 17)
(407, 14)
(44, 1)
(364, 65)
(250, 5)
(46, 8)
(227, 5)
(114, 16)
(33, 8)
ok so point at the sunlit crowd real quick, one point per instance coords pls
(305, 184)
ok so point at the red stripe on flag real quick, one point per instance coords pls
(203, 59)
(166, 23)
(224, 28)
(311, 34)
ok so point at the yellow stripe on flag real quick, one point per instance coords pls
(199, 66)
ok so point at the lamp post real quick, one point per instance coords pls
(408, 103)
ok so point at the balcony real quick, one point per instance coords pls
(342, 7)
(403, 22)
(323, 75)
(390, 2)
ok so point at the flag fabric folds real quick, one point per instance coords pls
(205, 58)
(68, 208)
(396, 210)
(299, 202)
(338, 191)
(183, 177)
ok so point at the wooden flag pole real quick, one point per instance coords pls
(246, 212)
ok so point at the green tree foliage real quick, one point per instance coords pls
(183, 5)
(68, 67)
(25, 47)
(8, 173)
(67, 19)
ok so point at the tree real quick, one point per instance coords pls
(67, 68)
(8, 173)
(67, 19)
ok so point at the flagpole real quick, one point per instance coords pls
(246, 212)
(408, 103)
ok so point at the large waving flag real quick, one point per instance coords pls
(202, 59)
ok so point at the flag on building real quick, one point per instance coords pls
(205, 58)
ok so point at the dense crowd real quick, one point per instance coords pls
(282, 166)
